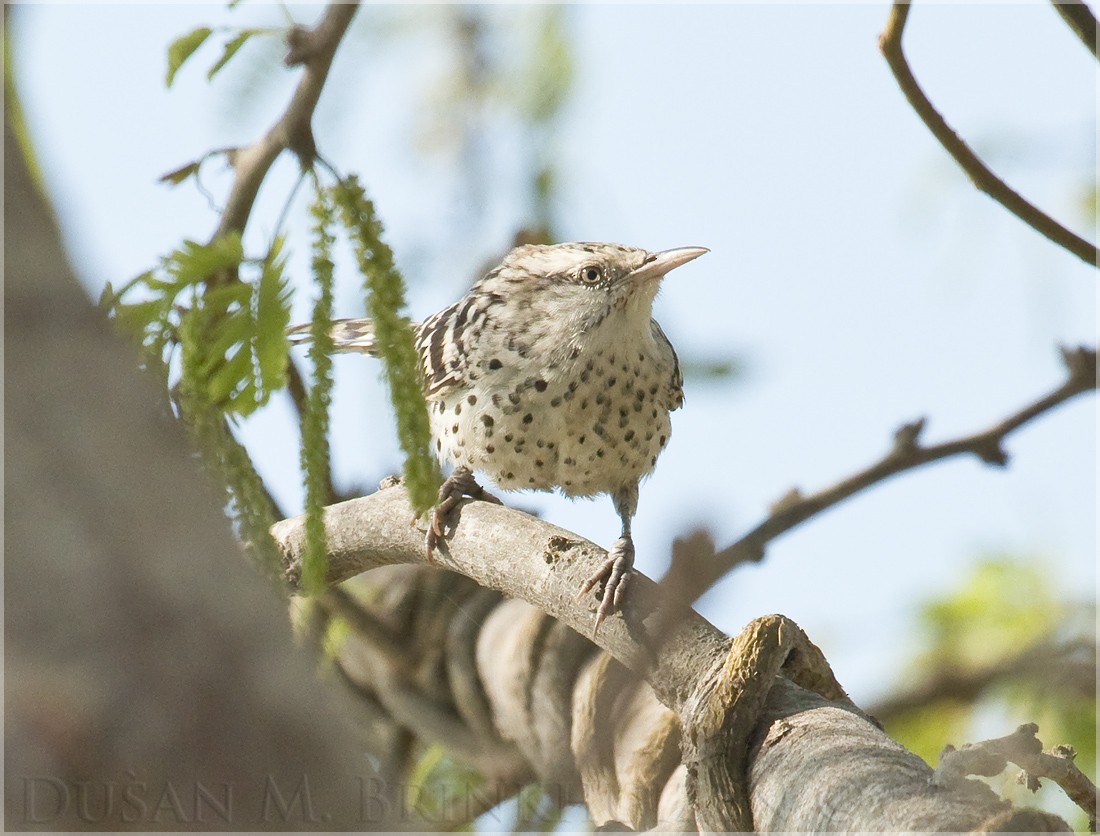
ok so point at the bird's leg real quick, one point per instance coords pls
(459, 484)
(615, 572)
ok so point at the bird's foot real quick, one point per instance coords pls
(614, 575)
(459, 485)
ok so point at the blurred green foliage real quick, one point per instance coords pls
(1005, 648)
(1004, 605)
(449, 795)
(185, 46)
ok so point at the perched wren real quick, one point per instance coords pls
(551, 373)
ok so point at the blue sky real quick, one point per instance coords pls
(855, 273)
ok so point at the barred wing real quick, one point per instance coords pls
(444, 341)
(347, 334)
(447, 341)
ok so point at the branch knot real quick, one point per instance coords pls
(720, 715)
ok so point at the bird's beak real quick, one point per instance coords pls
(657, 264)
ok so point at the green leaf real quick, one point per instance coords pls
(272, 319)
(136, 318)
(233, 329)
(183, 48)
(194, 263)
(228, 377)
(226, 295)
(174, 178)
(243, 401)
(107, 298)
(231, 47)
(116, 295)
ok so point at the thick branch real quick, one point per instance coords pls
(984, 179)
(293, 131)
(814, 763)
(719, 721)
(523, 557)
(906, 454)
(514, 553)
(1078, 18)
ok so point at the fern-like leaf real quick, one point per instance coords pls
(272, 318)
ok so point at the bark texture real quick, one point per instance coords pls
(761, 751)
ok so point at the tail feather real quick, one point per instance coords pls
(347, 334)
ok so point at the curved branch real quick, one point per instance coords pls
(1079, 18)
(981, 176)
(906, 454)
(313, 48)
(523, 557)
(799, 738)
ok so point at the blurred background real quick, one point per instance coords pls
(856, 281)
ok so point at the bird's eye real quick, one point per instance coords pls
(591, 274)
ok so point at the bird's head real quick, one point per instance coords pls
(583, 283)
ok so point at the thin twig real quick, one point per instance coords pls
(906, 454)
(1068, 666)
(314, 49)
(1078, 18)
(984, 179)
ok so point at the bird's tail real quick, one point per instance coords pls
(347, 334)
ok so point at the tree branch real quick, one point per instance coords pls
(523, 557)
(798, 737)
(510, 551)
(1070, 667)
(1078, 18)
(314, 48)
(906, 454)
(1022, 747)
(981, 176)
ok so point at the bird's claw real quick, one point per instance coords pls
(614, 573)
(456, 487)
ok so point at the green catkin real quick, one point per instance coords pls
(393, 338)
(315, 416)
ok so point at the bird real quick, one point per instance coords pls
(550, 373)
